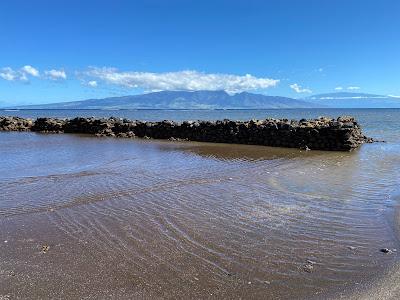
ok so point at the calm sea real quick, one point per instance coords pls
(156, 219)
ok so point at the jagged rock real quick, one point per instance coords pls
(15, 124)
(49, 125)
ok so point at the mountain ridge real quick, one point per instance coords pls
(181, 100)
(222, 100)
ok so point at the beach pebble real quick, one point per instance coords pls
(308, 268)
(11, 273)
(386, 250)
(45, 248)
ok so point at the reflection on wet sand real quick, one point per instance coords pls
(150, 219)
(244, 152)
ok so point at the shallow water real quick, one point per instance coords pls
(157, 219)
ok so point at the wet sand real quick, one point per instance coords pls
(385, 284)
(165, 220)
(387, 287)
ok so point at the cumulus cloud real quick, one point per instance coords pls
(8, 74)
(21, 74)
(55, 74)
(181, 80)
(338, 88)
(92, 83)
(298, 89)
(30, 71)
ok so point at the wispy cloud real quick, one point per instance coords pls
(92, 83)
(351, 97)
(298, 89)
(350, 88)
(55, 74)
(181, 80)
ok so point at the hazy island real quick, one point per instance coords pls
(223, 100)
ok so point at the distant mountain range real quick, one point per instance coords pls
(181, 100)
(223, 100)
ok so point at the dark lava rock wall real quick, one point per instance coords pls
(341, 134)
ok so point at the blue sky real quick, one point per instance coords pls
(53, 51)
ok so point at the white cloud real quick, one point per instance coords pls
(30, 71)
(181, 80)
(56, 74)
(350, 88)
(23, 74)
(92, 83)
(298, 89)
(10, 74)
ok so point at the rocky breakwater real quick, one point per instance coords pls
(341, 134)
(15, 124)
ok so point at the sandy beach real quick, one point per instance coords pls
(86, 217)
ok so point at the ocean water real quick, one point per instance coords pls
(156, 219)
